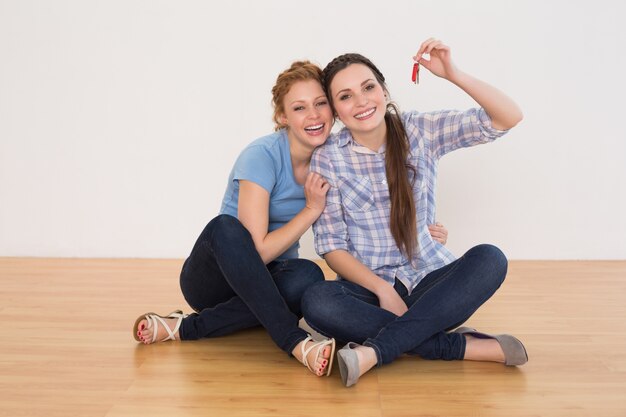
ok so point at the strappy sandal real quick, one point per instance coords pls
(320, 347)
(154, 320)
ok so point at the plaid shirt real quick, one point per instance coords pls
(356, 217)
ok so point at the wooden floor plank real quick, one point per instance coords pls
(67, 350)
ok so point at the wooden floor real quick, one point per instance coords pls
(66, 350)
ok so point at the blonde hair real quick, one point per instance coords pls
(298, 71)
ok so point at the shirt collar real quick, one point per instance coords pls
(345, 138)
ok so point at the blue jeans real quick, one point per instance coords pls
(443, 300)
(226, 282)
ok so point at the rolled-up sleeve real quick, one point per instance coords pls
(446, 131)
(329, 230)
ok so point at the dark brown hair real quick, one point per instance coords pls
(403, 218)
(298, 71)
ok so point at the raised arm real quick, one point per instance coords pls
(502, 110)
(253, 212)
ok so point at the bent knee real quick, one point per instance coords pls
(310, 271)
(302, 275)
(225, 226)
(225, 222)
(314, 301)
(493, 258)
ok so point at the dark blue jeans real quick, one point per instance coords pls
(226, 282)
(443, 300)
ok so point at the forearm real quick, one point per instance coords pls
(351, 269)
(502, 110)
(278, 241)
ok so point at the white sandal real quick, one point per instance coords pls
(320, 347)
(154, 320)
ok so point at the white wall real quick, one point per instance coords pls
(119, 120)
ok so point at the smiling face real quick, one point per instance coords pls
(307, 114)
(359, 100)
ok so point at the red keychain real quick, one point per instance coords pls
(416, 73)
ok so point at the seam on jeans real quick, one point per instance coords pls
(454, 268)
(346, 291)
(443, 277)
(207, 242)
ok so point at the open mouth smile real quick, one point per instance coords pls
(365, 114)
(314, 130)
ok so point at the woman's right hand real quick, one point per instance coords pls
(315, 189)
(440, 62)
(391, 301)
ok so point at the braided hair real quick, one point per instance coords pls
(402, 220)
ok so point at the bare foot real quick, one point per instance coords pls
(367, 358)
(146, 333)
(478, 349)
(318, 363)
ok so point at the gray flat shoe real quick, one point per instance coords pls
(348, 364)
(462, 330)
(514, 351)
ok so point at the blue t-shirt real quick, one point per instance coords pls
(267, 162)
